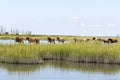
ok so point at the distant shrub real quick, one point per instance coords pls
(6, 33)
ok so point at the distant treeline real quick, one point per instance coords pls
(4, 31)
(13, 31)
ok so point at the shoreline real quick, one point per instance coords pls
(41, 61)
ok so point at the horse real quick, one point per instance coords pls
(60, 39)
(19, 40)
(32, 40)
(86, 39)
(105, 41)
(51, 40)
(110, 40)
(96, 39)
(76, 40)
(99, 39)
(113, 40)
(81, 40)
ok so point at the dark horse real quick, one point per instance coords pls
(19, 39)
(60, 39)
(113, 40)
(32, 40)
(110, 40)
(51, 40)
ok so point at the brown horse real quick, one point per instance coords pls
(60, 39)
(96, 39)
(99, 39)
(19, 40)
(76, 40)
(111, 40)
(51, 40)
(32, 40)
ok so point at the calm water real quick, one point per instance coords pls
(26, 42)
(54, 70)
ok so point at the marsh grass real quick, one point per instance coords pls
(80, 52)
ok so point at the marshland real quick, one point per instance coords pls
(59, 40)
(91, 50)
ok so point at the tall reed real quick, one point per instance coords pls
(81, 52)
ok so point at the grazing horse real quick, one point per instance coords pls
(60, 39)
(51, 40)
(99, 39)
(96, 39)
(76, 39)
(110, 40)
(81, 40)
(105, 41)
(86, 39)
(113, 40)
(19, 40)
(32, 40)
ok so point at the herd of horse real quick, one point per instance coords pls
(62, 40)
(37, 40)
(104, 40)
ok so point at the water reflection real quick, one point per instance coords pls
(57, 70)
(20, 67)
(84, 67)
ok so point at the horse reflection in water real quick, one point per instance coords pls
(33, 40)
(19, 40)
(51, 40)
(60, 39)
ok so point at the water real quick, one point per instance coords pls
(56, 70)
(26, 42)
(7, 41)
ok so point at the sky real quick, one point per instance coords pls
(62, 17)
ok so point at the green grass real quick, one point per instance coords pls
(42, 37)
(84, 52)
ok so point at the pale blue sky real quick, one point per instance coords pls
(62, 17)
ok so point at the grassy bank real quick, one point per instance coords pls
(5, 37)
(41, 37)
(80, 52)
